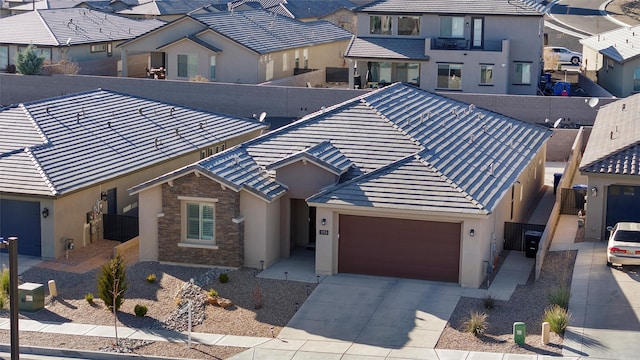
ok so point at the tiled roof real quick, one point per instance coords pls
(621, 44)
(265, 32)
(323, 154)
(77, 25)
(195, 40)
(301, 9)
(409, 148)
(485, 7)
(167, 7)
(42, 5)
(76, 140)
(386, 48)
(614, 143)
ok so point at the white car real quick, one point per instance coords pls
(624, 244)
(565, 55)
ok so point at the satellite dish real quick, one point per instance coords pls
(263, 115)
(557, 122)
(593, 102)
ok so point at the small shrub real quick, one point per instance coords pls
(557, 317)
(89, 298)
(489, 302)
(212, 293)
(223, 278)
(3, 300)
(112, 282)
(4, 280)
(477, 323)
(151, 278)
(140, 310)
(560, 297)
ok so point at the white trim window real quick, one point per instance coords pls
(522, 73)
(380, 24)
(198, 220)
(212, 67)
(452, 26)
(449, 76)
(187, 65)
(486, 74)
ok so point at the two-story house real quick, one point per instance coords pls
(492, 46)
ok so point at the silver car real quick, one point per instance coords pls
(565, 55)
(624, 244)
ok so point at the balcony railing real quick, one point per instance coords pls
(463, 44)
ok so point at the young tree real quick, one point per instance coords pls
(28, 62)
(112, 283)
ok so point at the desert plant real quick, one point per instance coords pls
(560, 296)
(212, 293)
(557, 317)
(112, 282)
(151, 278)
(477, 324)
(551, 60)
(223, 278)
(4, 280)
(140, 310)
(489, 302)
(198, 78)
(89, 298)
(257, 297)
(28, 62)
(3, 300)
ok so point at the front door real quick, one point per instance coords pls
(303, 223)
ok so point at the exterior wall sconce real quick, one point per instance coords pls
(103, 196)
(45, 213)
(323, 222)
(472, 232)
(594, 191)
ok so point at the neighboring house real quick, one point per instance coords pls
(12, 7)
(611, 163)
(614, 57)
(66, 160)
(338, 12)
(86, 37)
(247, 47)
(492, 46)
(413, 184)
(167, 10)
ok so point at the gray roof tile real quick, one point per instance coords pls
(386, 48)
(410, 149)
(79, 139)
(323, 154)
(614, 143)
(485, 7)
(265, 32)
(78, 25)
(621, 44)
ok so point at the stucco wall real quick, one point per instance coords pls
(229, 235)
(150, 209)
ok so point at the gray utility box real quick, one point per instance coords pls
(30, 297)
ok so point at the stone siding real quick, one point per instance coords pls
(229, 235)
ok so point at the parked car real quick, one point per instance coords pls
(624, 244)
(565, 55)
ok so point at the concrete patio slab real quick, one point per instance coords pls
(326, 346)
(241, 341)
(413, 353)
(368, 350)
(302, 355)
(279, 344)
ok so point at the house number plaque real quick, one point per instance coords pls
(324, 232)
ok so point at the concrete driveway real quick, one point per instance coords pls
(374, 313)
(605, 308)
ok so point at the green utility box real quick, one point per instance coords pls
(519, 333)
(30, 297)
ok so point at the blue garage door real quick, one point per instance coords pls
(623, 204)
(21, 219)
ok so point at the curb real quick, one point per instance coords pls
(80, 354)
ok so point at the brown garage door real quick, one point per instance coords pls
(400, 248)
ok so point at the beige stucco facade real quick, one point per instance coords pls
(615, 77)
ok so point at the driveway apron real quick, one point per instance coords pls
(375, 312)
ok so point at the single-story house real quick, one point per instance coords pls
(397, 182)
(247, 47)
(66, 161)
(86, 37)
(614, 58)
(612, 166)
